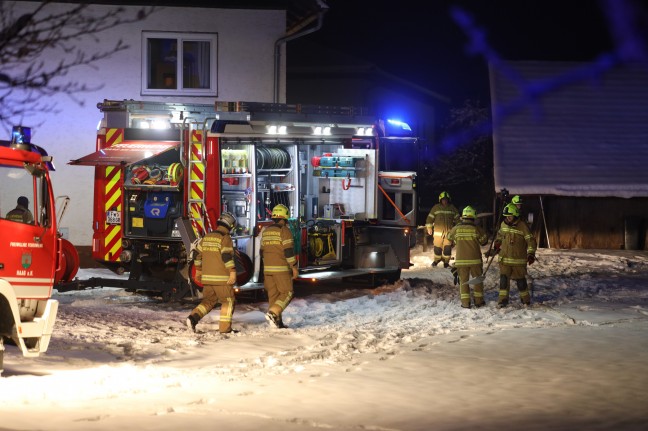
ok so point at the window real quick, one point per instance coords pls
(18, 199)
(179, 63)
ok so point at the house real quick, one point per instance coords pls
(572, 140)
(229, 51)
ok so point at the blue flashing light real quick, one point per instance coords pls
(401, 124)
(21, 135)
(398, 128)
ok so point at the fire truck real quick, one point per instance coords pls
(34, 256)
(164, 172)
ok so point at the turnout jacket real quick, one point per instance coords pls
(468, 239)
(20, 214)
(442, 217)
(215, 256)
(277, 249)
(516, 242)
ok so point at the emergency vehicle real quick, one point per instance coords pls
(164, 172)
(33, 255)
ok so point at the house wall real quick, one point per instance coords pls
(68, 131)
(590, 223)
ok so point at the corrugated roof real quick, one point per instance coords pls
(582, 137)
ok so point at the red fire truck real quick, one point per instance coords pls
(33, 256)
(165, 171)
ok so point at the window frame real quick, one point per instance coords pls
(181, 37)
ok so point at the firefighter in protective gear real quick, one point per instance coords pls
(21, 213)
(216, 270)
(517, 248)
(517, 201)
(442, 217)
(468, 239)
(279, 264)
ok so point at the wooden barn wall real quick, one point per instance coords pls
(590, 223)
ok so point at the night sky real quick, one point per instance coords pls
(420, 41)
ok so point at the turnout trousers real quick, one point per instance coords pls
(465, 273)
(279, 287)
(212, 295)
(517, 273)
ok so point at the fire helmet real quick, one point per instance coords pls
(468, 213)
(444, 195)
(280, 211)
(511, 210)
(517, 200)
(227, 220)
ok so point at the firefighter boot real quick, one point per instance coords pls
(273, 319)
(478, 294)
(447, 250)
(192, 321)
(503, 298)
(523, 288)
(437, 256)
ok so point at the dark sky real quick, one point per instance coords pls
(420, 41)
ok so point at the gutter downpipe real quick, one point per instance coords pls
(283, 40)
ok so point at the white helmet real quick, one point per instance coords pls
(227, 220)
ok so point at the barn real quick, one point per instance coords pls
(572, 140)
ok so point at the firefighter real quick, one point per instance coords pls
(442, 217)
(468, 238)
(279, 264)
(516, 247)
(215, 268)
(21, 213)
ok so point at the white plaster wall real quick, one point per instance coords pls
(245, 73)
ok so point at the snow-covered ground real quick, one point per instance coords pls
(399, 357)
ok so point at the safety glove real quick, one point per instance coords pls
(232, 278)
(531, 259)
(493, 251)
(455, 274)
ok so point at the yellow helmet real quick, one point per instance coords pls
(444, 195)
(468, 212)
(517, 200)
(280, 211)
(511, 210)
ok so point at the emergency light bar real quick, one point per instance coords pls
(20, 135)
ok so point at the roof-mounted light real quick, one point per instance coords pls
(21, 138)
(364, 131)
(322, 130)
(274, 129)
(398, 128)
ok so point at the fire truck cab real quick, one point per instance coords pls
(33, 255)
(165, 172)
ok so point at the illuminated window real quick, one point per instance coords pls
(179, 63)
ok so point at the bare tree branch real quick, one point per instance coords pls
(39, 48)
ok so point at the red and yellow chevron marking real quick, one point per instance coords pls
(197, 182)
(197, 221)
(113, 201)
(114, 136)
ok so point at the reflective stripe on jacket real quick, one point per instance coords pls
(516, 243)
(277, 249)
(468, 239)
(215, 256)
(442, 217)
